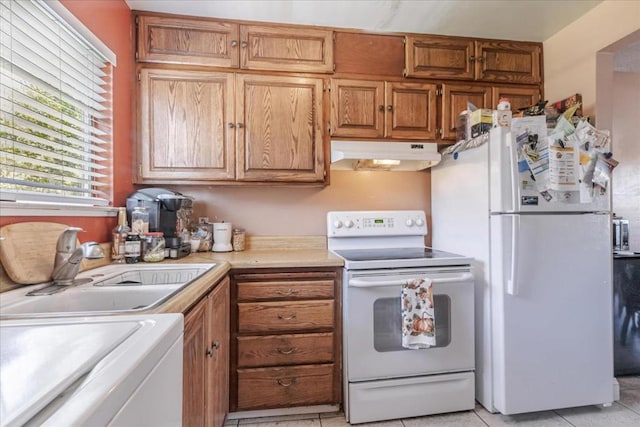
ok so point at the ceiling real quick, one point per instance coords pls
(531, 20)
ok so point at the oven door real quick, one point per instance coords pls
(373, 331)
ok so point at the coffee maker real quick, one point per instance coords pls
(168, 210)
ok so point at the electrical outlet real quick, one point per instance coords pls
(203, 219)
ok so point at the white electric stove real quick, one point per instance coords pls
(382, 379)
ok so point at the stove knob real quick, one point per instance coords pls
(409, 222)
(337, 224)
(419, 222)
(348, 223)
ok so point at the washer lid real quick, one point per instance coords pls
(56, 356)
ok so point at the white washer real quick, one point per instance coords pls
(111, 370)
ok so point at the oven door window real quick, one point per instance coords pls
(387, 323)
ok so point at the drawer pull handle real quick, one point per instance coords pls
(290, 351)
(287, 292)
(285, 383)
(291, 317)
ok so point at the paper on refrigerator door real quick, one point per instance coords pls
(563, 168)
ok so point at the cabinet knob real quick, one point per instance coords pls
(290, 317)
(215, 345)
(289, 351)
(481, 59)
(234, 43)
(286, 383)
(239, 125)
(209, 352)
(243, 43)
(381, 107)
(472, 58)
(231, 125)
(390, 107)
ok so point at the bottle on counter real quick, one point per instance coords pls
(118, 237)
(140, 220)
(132, 248)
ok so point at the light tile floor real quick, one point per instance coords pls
(625, 412)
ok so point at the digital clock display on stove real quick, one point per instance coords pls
(378, 221)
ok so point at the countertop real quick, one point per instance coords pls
(264, 258)
(281, 252)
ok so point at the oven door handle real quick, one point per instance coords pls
(367, 283)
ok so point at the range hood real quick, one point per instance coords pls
(389, 156)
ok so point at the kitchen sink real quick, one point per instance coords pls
(111, 289)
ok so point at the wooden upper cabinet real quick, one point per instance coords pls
(279, 134)
(357, 108)
(460, 58)
(217, 43)
(286, 48)
(183, 122)
(508, 61)
(454, 101)
(187, 41)
(375, 109)
(411, 110)
(439, 57)
(519, 96)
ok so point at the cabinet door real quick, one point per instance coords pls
(286, 48)
(508, 61)
(357, 108)
(519, 97)
(184, 131)
(195, 366)
(411, 110)
(439, 57)
(279, 136)
(454, 102)
(219, 350)
(187, 41)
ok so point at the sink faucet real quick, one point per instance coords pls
(68, 257)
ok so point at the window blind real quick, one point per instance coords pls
(56, 110)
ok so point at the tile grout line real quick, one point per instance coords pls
(480, 418)
(564, 419)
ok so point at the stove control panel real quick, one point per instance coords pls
(376, 223)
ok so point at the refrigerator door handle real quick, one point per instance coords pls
(512, 283)
(514, 175)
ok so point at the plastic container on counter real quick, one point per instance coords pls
(238, 239)
(153, 250)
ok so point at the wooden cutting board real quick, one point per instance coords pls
(28, 250)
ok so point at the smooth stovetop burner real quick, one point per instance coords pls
(392, 254)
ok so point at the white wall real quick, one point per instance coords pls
(626, 149)
(282, 211)
(570, 55)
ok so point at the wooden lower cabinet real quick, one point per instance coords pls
(205, 380)
(262, 388)
(286, 338)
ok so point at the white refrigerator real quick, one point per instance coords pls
(543, 274)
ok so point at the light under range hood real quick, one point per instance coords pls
(389, 156)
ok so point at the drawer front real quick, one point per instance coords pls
(299, 289)
(285, 316)
(285, 350)
(286, 386)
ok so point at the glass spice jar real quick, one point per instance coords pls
(238, 240)
(153, 250)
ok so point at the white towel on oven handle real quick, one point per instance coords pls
(418, 319)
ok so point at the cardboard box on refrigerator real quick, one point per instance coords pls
(481, 121)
